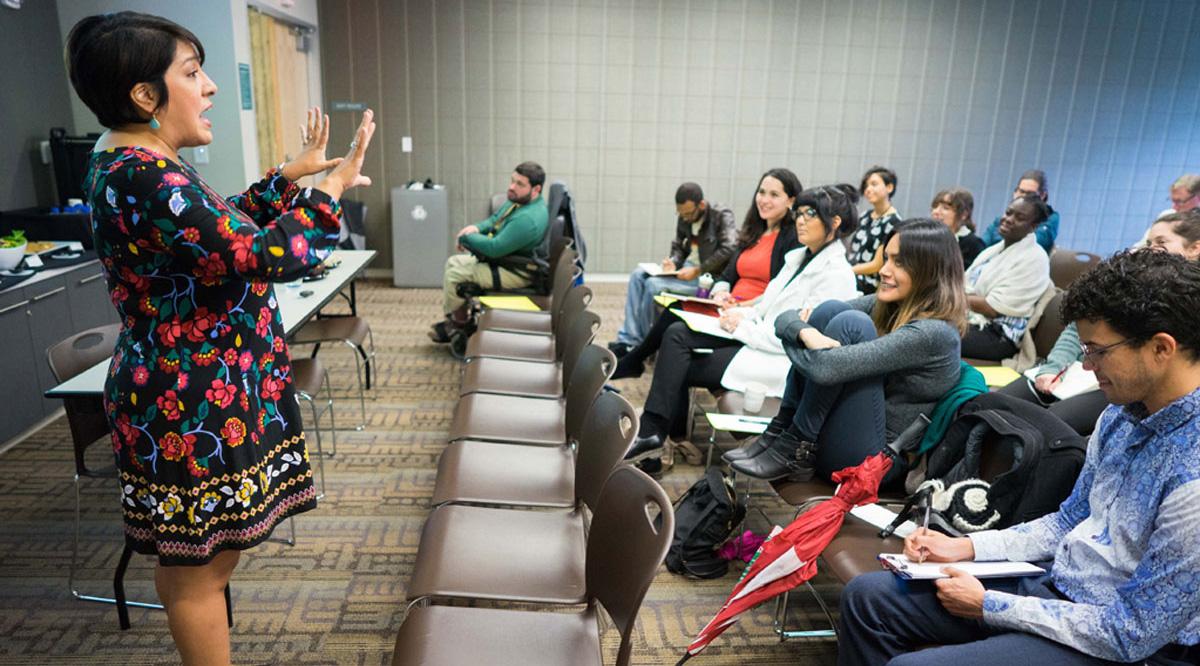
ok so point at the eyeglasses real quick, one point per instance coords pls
(807, 212)
(1093, 354)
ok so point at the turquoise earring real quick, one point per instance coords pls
(154, 124)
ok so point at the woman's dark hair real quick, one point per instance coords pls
(1041, 210)
(1186, 225)
(961, 201)
(1140, 294)
(929, 253)
(885, 174)
(753, 225)
(108, 54)
(833, 201)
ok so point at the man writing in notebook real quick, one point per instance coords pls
(1123, 551)
(705, 238)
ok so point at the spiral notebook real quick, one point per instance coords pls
(909, 570)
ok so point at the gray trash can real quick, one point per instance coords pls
(420, 237)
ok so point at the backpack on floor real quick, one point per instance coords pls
(705, 517)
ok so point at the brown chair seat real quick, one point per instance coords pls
(517, 346)
(352, 329)
(509, 418)
(504, 474)
(453, 636)
(512, 377)
(308, 375)
(516, 321)
(471, 471)
(853, 551)
(485, 553)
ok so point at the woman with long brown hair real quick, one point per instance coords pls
(863, 370)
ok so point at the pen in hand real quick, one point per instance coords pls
(925, 529)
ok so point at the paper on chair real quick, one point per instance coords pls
(509, 303)
(998, 375)
(655, 270)
(737, 422)
(881, 517)
(906, 568)
(702, 323)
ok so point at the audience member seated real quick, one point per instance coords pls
(863, 370)
(494, 248)
(1177, 233)
(762, 244)
(706, 237)
(1185, 196)
(866, 246)
(1005, 282)
(1031, 184)
(1122, 551)
(953, 208)
(813, 273)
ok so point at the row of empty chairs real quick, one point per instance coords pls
(533, 504)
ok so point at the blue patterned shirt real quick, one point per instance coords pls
(1125, 544)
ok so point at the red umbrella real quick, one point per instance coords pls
(789, 558)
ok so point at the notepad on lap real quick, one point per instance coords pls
(738, 422)
(1073, 382)
(655, 270)
(702, 323)
(909, 570)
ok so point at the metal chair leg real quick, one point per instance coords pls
(119, 588)
(317, 431)
(228, 606)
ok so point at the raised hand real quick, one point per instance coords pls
(314, 137)
(348, 173)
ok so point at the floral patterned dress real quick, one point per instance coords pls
(205, 426)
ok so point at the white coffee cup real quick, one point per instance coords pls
(755, 394)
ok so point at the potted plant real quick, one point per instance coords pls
(12, 249)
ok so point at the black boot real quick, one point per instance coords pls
(644, 448)
(788, 456)
(628, 366)
(753, 447)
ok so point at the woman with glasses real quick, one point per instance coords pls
(1176, 233)
(863, 370)
(746, 350)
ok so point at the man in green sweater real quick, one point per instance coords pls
(512, 232)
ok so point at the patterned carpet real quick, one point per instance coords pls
(338, 595)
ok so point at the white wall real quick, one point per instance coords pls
(223, 29)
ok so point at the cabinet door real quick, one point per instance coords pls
(87, 294)
(49, 323)
(20, 402)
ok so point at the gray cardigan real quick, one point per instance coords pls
(920, 359)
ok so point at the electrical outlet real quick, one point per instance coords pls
(200, 155)
(406, 144)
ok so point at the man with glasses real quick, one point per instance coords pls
(1123, 551)
(1031, 184)
(705, 238)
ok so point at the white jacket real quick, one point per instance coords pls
(761, 359)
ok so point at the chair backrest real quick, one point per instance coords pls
(608, 430)
(624, 549)
(575, 301)
(1066, 265)
(595, 366)
(85, 416)
(1048, 327)
(562, 272)
(582, 332)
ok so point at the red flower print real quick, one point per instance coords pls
(141, 375)
(221, 394)
(244, 401)
(266, 360)
(182, 381)
(263, 325)
(199, 471)
(246, 361)
(119, 295)
(277, 344)
(244, 258)
(199, 325)
(168, 402)
(147, 306)
(204, 358)
(272, 388)
(135, 281)
(168, 365)
(210, 269)
(299, 246)
(125, 429)
(225, 227)
(175, 178)
(258, 287)
(262, 422)
(234, 432)
(175, 446)
(191, 234)
(170, 331)
(231, 356)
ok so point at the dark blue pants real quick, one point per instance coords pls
(884, 617)
(845, 420)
